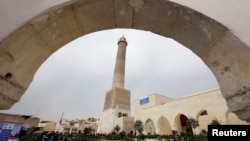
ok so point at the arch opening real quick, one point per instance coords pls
(164, 127)
(181, 124)
(149, 127)
(204, 118)
(74, 69)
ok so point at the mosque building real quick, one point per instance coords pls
(216, 31)
(161, 114)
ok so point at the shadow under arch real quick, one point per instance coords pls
(181, 124)
(26, 48)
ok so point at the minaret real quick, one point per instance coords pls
(119, 72)
(116, 110)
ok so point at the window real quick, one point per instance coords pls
(203, 113)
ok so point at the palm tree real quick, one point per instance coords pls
(193, 123)
(117, 128)
(174, 133)
(215, 122)
(138, 126)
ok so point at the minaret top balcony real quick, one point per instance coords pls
(122, 39)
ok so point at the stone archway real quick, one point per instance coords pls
(204, 118)
(26, 48)
(149, 127)
(184, 124)
(164, 126)
(181, 124)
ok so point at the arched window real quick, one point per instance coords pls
(203, 113)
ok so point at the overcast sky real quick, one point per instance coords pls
(75, 79)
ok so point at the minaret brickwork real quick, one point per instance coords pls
(119, 72)
(118, 96)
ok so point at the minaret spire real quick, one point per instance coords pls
(119, 72)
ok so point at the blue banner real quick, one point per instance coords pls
(144, 100)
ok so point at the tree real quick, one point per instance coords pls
(193, 123)
(174, 133)
(215, 122)
(138, 126)
(87, 131)
(117, 128)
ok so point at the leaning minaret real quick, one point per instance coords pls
(119, 72)
(116, 110)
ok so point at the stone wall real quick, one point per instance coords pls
(25, 119)
(204, 107)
